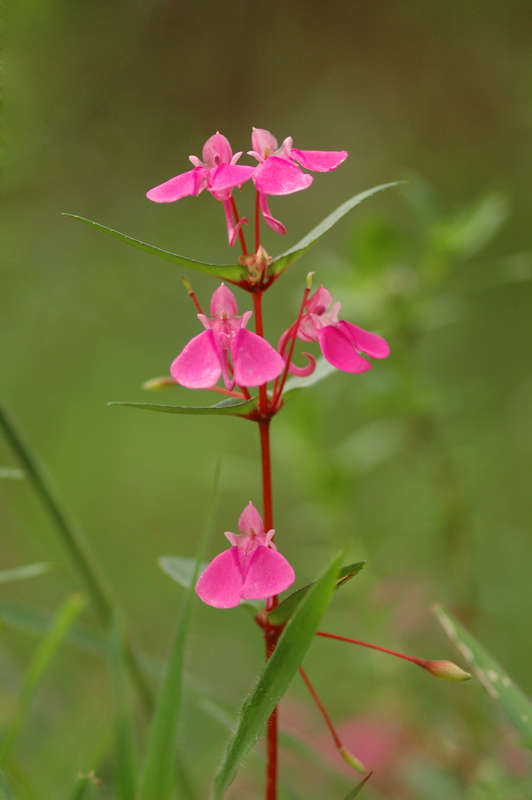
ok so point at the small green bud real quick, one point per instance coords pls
(187, 284)
(350, 759)
(158, 383)
(309, 280)
(445, 670)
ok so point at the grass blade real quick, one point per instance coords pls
(5, 791)
(492, 676)
(25, 572)
(358, 787)
(280, 263)
(277, 675)
(232, 273)
(40, 663)
(125, 771)
(158, 776)
(85, 788)
(69, 533)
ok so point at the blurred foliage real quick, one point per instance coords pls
(419, 465)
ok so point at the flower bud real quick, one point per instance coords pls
(158, 383)
(445, 670)
(350, 759)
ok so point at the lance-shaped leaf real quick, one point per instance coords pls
(233, 273)
(285, 609)
(358, 788)
(492, 676)
(323, 370)
(158, 777)
(280, 263)
(230, 407)
(125, 770)
(277, 675)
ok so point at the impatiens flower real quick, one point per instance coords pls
(278, 172)
(251, 569)
(340, 341)
(205, 358)
(218, 163)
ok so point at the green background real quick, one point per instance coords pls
(422, 466)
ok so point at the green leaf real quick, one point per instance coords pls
(233, 273)
(5, 791)
(26, 618)
(158, 777)
(85, 788)
(182, 571)
(38, 666)
(125, 770)
(492, 676)
(358, 787)
(23, 573)
(322, 371)
(285, 609)
(230, 407)
(280, 263)
(11, 474)
(277, 675)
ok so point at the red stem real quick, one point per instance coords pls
(324, 714)
(417, 661)
(263, 395)
(278, 391)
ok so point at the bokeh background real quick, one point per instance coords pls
(422, 466)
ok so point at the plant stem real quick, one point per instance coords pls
(259, 329)
(371, 646)
(241, 232)
(257, 223)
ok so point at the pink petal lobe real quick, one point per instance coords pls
(184, 185)
(340, 352)
(198, 365)
(263, 142)
(227, 176)
(216, 150)
(223, 302)
(250, 519)
(269, 573)
(302, 372)
(375, 346)
(254, 360)
(278, 176)
(319, 160)
(221, 583)
(270, 220)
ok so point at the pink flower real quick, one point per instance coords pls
(278, 173)
(205, 357)
(339, 340)
(218, 163)
(251, 569)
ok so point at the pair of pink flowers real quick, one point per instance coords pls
(277, 173)
(254, 361)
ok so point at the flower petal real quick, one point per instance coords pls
(339, 351)
(227, 176)
(269, 573)
(375, 346)
(223, 302)
(221, 583)
(269, 219)
(263, 142)
(319, 160)
(278, 176)
(250, 519)
(184, 185)
(254, 360)
(216, 150)
(198, 366)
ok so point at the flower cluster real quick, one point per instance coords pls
(277, 173)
